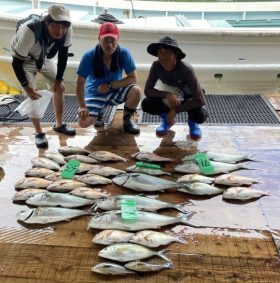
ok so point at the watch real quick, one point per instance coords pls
(110, 85)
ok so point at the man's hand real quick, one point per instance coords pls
(58, 87)
(103, 88)
(32, 93)
(83, 113)
(172, 100)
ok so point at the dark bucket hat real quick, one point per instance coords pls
(167, 42)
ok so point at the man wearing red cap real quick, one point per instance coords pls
(100, 82)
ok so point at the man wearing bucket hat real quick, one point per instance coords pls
(100, 82)
(33, 46)
(172, 87)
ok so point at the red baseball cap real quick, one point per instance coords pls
(108, 29)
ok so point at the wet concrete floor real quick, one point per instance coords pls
(238, 243)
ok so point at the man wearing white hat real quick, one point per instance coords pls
(33, 46)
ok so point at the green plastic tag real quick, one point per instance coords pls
(128, 209)
(70, 169)
(204, 163)
(147, 165)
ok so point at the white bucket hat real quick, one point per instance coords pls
(59, 13)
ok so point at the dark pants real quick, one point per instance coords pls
(155, 106)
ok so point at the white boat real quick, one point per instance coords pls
(226, 59)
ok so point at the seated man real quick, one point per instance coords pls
(100, 81)
(172, 87)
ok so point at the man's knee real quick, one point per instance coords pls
(135, 92)
(198, 115)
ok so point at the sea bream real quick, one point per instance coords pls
(93, 179)
(70, 150)
(192, 178)
(243, 193)
(91, 193)
(44, 215)
(145, 220)
(105, 170)
(111, 268)
(58, 199)
(142, 203)
(150, 157)
(200, 189)
(234, 180)
(220, 167)
(102, 155)
(109, 237)
(143, 182)
(45, 163)
(32, 183)
(125, 252)
(55, 156)
(144, 170)
(142, 266)
(38, 172)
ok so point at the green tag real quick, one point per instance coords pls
(204, 163)
(147, 165)
(128, 209)
(71, 168)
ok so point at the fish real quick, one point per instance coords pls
(93, 179)
(70, 150)
(143, 182)
(110, 268)
(44, 215)
(150, 157)
(153, 239)
(145, 220)
(83, 168)
(55, 156)
(243, 193)
(192, 178)
(105, 170)
(125, 252)
(109, 237)
(64, 185)
(58, 199)
(142, 203)
(54, 176)
(38, 172)
(91, 193)
(81, 158)
(200, 189)
(102, 155)
(32, 183)
(220, 167)
(26, 194)
(45, 163)
(234, 180)
(141, 266)
(149, 171)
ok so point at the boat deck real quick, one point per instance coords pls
(240, 241)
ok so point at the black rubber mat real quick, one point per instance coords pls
(70, 112)
(235, 109)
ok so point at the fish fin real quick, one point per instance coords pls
(162, 254)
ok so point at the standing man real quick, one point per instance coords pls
(33, 46)
(172, 87)
(100, 81)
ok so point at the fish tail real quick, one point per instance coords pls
(181, 206)
(181, 240)
(185, 219)
(162, 254)
(246, 166)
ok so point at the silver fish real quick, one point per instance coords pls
(150, 157)
(81, 158)
(243, 193)
(102, 155)
(110, 268)
(220, 167)
(26, 194)
(83, 168)
(44, 215)
(70, 150)
(91, 193)
(38, 172)
(142, 203)
(45, 163)
(153, 239)
(143, 183)
(200, 189)
(147, 267)
(192, 178)
(234, 180)
(105, 170)
(125, 252)
(55, 156)
(57, 199)
(109, 237)
(32, 183)
(54, 176)
(64, 185)
(149, 171)
(92, 179)
(145, 220)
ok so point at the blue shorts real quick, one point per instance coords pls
(98, 101)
